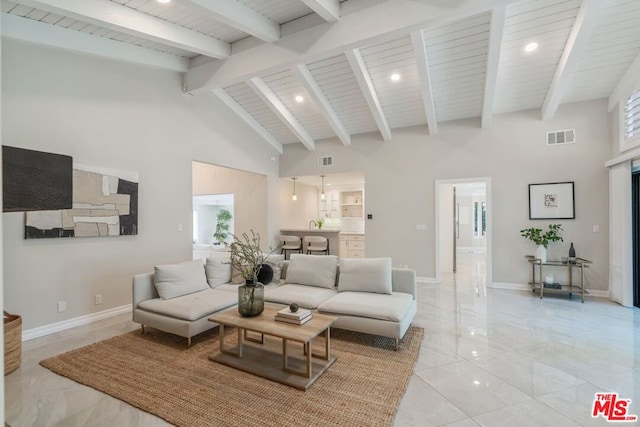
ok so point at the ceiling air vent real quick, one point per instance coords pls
(323, 162)
(558, 137)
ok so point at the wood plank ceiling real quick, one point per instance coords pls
(301, 71)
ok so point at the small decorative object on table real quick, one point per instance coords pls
(542, 239)
(298, 316)
(320, 223)
(572, 254)
(248, 259)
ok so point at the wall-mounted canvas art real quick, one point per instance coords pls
(105, 203)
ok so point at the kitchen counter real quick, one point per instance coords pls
(331, 234)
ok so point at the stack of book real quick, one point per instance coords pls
(297, 318)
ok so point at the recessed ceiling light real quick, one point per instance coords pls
(299, 98)
(395, 77)
(164, 1)
(531, 47)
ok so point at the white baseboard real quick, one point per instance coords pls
(521, 287)
(427, 280)
(509, 286)
(72, 323)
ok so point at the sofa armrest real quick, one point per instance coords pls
(404, 280)
(143, 288)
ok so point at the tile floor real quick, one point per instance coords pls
(489, 358)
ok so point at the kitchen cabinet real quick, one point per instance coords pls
(330, 206)
(352, 245)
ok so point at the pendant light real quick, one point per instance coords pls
(294, 197)
(323, 196)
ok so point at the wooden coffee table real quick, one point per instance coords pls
(268, 356)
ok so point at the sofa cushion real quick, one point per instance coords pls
(312, 270)
(305, 296)
(365, 275)
(174, 280)
(391, 307)
(217, 271)
(193, 306)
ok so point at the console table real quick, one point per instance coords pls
(538, 285)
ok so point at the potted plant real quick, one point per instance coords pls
(542, 239)
(320, 222)
(222, 227)
(248, 259)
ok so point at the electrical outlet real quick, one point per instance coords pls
(98, 299)
(62, 306)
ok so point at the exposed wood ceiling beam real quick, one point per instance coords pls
(366, 86)
(313, 89)
(626, 84)
(273, 102)
(378, 23)
(329, 10)
(498, 17)
(578, 39)
(33, 31)
(422, 61)
(113, 16)
(247, 118)
(236, 15)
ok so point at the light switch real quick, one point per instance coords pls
(596, 228)
(421, 227)
(179, 227)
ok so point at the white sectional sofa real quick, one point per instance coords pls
(366, 295)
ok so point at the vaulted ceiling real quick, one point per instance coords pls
(299, 71)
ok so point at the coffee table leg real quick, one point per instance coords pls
(327, 346)
(308, 347)
(285, 366)
(238, 351)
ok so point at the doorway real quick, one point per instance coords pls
(463, 228)
(635, 234)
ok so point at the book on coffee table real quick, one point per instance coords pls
(296, 315)
(300, 321)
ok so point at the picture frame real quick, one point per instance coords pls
(554, 200)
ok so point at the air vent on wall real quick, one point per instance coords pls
(557, 137)
(325, 161)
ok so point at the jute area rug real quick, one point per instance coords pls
(156, 373)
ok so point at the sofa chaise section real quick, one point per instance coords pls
(185, 315)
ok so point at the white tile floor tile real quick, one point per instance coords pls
(536, 362)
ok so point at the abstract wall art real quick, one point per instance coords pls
(105, 203)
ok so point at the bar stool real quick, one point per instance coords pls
(289, 243)
(316, 244)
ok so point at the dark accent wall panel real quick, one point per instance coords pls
(35, 180)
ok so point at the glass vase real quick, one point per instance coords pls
(250, 299)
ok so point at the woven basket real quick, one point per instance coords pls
(12, 342)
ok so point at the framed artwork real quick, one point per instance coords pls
(552, 201)
(105, 203)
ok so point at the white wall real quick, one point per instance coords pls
(400, 184)
(298, 213)
(118, 116)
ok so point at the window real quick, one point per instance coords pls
(631, 121)
(479, 219)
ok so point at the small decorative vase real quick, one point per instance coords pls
(250, 299)
(541, 253)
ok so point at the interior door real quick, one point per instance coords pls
(635, 236)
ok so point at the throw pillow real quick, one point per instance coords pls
(365, 275)
(218, 272)
(276, 266)
(175, 280)
(312, 270)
